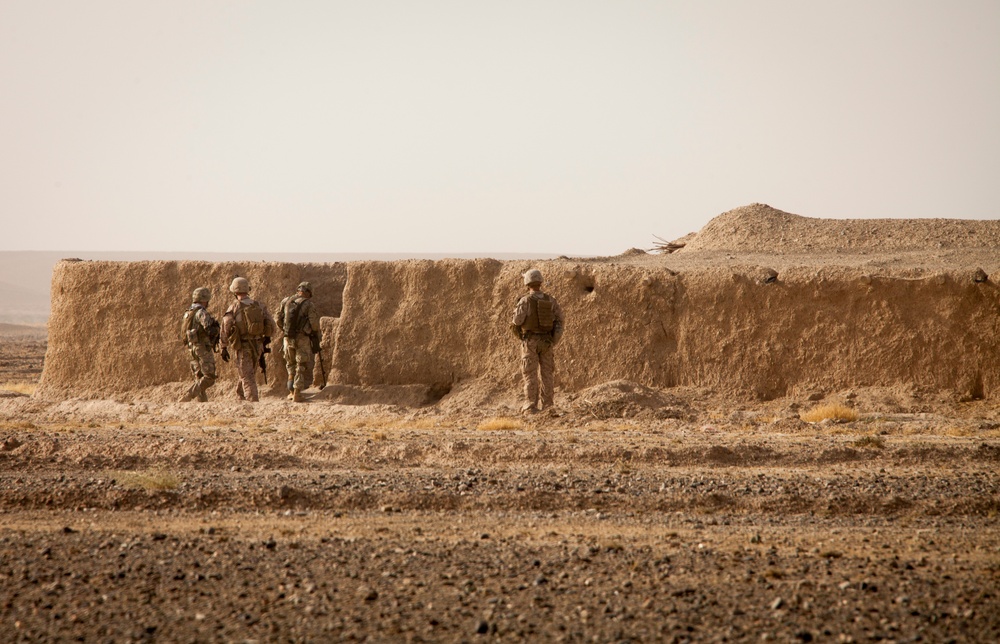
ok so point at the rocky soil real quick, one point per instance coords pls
(22, 353)
(632, 515)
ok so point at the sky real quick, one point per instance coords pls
(573, 127)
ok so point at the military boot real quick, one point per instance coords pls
(297, 395)
(190, 394)
(202, 396)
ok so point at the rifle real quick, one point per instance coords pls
(262, 361)
(317, 349)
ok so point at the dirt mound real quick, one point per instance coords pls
(761, 228)
(624, 399)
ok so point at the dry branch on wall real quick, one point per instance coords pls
(663, 246)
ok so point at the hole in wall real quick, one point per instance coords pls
(436, 392)
(976, 391)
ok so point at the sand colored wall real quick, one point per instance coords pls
(114, 326)
(437, 323)
(440, 322)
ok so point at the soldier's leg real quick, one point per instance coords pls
(289, 352)
(304, 363)
(529, 371)
(192, 391)
(547, 367)
(247, 366)
(208, 372)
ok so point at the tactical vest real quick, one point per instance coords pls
(541, 316)
(192, 331)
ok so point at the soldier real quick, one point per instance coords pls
(247, 326)
(298, 319)
(538, 324)
(200, 332)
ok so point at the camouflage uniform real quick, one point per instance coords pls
(202, 335)
(247, 349)
(536, 345)
(299, 343)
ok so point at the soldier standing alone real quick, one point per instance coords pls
(298, 319)
(247, 327)
(538, 323)
(200, 332)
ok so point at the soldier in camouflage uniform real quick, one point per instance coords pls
(298, 319)
(200, 332)
(247, 327)
(538, 324)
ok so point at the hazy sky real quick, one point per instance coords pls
(573, 127)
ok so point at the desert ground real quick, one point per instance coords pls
(610, 521)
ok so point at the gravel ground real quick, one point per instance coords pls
(151, 533)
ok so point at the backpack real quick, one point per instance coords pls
(293, 324)
(250, 321)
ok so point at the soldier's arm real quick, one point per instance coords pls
(279, 315)
(558, 322)
(520, 312)
(228, 320)
(314, 319)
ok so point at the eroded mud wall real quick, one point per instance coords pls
(114, 326)
(724, 328)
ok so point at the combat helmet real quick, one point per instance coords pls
(240, 285)
(534, 276)
(305, 287)
(201, 294)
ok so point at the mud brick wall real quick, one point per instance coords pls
(114, 325)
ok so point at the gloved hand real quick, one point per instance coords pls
(225, 354)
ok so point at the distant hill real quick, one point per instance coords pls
(25, 276)
(22, 330)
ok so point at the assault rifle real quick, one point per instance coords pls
(262, 360)
(318, 350)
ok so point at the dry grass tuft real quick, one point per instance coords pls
(17, 424)
(500, 424)
(839, 413)
(26, 388)
(379, 435)
(147, 480)
(872, 442)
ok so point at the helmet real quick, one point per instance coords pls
(534, 276)
(305, 287)
(201, 294)
(240, 285)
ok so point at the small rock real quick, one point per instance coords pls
(777, 603)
